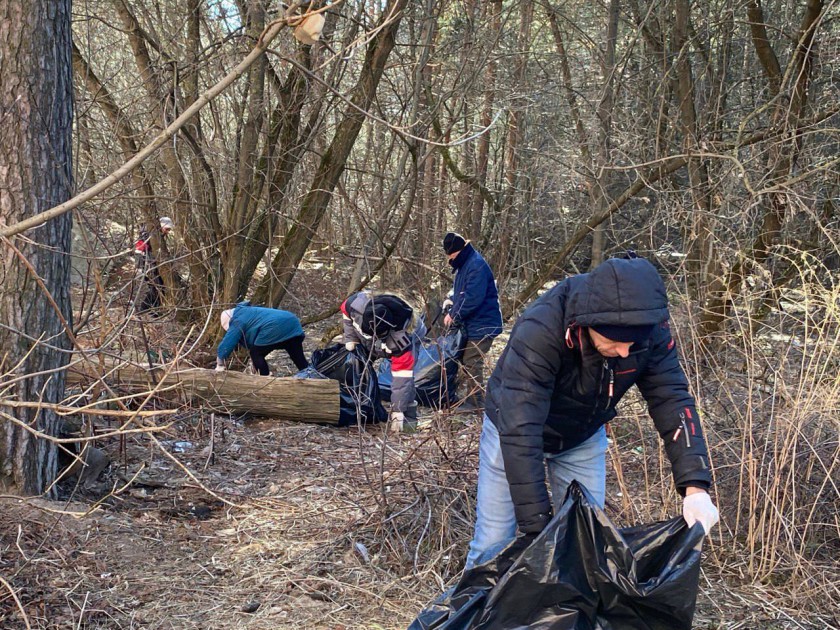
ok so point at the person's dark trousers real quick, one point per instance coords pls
(154, 287)
(472, 370)
(293, 346)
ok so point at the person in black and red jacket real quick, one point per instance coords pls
(380, 323)
(147, 265)
(571, 357)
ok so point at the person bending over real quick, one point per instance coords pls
(261, 330)
(380, 324)
(571, 357)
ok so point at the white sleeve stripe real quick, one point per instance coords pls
(403, 373)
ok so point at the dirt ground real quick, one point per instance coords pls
(283, 525)
(223, 523)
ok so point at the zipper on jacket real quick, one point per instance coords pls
(605, 368)
(684, 430)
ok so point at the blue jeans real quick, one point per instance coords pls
(495, 523)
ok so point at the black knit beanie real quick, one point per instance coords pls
(453, 242)
(624, 334)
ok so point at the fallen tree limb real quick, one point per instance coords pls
(64, 410)
(306, 400)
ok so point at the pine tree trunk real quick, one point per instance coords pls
(36, 108)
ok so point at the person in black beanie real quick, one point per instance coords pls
(474, 306)
(571, 356)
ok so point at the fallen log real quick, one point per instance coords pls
(306, 400)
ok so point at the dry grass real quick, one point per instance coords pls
(313, 527)
(334, 529)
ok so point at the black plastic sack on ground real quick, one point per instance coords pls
(580, 573)
(361, 401)
(435, 370)
(309, 373)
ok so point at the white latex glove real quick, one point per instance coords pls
(220, 365)
(698, 507)
(395, 425)
(350, 345)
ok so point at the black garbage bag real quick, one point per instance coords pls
(435, 370)
(309, 372)
(580, 573)
(358, 386)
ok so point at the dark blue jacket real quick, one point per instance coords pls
(475, 300)
(551, 389)
(258, 326)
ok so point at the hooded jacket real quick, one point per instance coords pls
(258, 326)
(475, 299)
(380, 323)
(551, 389)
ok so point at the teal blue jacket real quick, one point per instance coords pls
(258, 326)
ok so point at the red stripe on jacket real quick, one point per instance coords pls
(403, 362)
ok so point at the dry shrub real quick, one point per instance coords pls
(776, 428)
(769, 392)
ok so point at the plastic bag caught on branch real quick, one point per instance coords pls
(580, 573)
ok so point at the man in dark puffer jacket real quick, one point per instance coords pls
(571, 356)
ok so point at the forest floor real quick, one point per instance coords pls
(252, 523)
(294, 538)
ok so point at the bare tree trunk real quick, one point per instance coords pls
(391, 202)
(699, 234)
(203, 219)
(284, 149)
(516, 122)
(466, 194)
(240, 213)
(605, 114)
(494, 7)
(786, 118)
(36, 101)
(284, 265)
(158, 99)
(598, 180)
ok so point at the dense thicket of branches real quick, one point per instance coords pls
(529, 126)
(552, 134)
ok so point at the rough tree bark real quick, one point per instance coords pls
(505, 224)
(36, 108)
(243, 203)
(283, 151)
(306, 400)
(494, 9)
(700, 231)
(603, 176)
